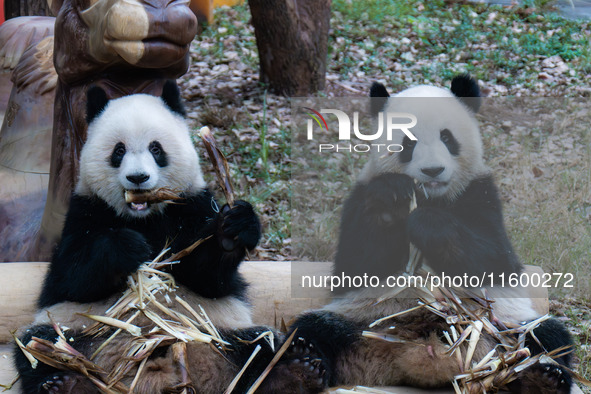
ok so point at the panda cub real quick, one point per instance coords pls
(458, 228)
(141, 143)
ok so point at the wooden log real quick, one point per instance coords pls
(20, 285)
(270, 292)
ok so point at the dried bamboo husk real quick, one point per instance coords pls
(220, 164)
(362, 389)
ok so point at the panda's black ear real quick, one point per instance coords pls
(96, 101)
(466, 89)
(379, 96)
(378, 90)
(172, 97)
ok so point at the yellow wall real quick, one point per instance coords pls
(204, 8)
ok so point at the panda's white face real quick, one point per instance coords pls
(431, 160)
(447, 154)
(140, 163)
(137, 143)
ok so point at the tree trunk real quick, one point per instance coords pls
(292, 39)
(14, 8)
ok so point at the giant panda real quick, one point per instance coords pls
(457, 227)
(140, 143)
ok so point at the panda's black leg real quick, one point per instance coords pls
(324, 335)
(552, 334)
(43, 378)
(546, 378)
(68, 383)
(32, 380)
(300, 371)
(542, 379)
(452, 246)
(243, 343)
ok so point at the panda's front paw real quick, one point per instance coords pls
(240, 226)
(388, 195)
(543, 378)
(132, 249)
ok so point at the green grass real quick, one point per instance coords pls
(264, 151)
(373, 10)
(547, 216)
(462, 32)
(231, 23)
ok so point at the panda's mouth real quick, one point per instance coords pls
(137, 200)
(434, 184)
(432, 188)
(138, 206)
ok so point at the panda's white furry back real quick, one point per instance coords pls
(138, 144)
(458, 228)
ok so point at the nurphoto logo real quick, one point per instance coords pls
(389, 122)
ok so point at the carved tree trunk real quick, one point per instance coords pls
(14, 8)
(292, 39)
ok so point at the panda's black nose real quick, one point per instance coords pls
(432, 171)
(138, 179)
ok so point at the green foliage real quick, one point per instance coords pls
(477, 38)
(264, 151)
(372, 10)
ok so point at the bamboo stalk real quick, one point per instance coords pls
(163, 194)
(220, 164)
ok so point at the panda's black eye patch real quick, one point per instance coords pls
(408, 147)
(117, 155)
(160, 156)
(453, 146)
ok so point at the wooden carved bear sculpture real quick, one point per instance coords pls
(123, 46)
(27, 92)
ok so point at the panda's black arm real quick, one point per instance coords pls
(211, 270)
(373, 237)
(94, 256)
(466, 236)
